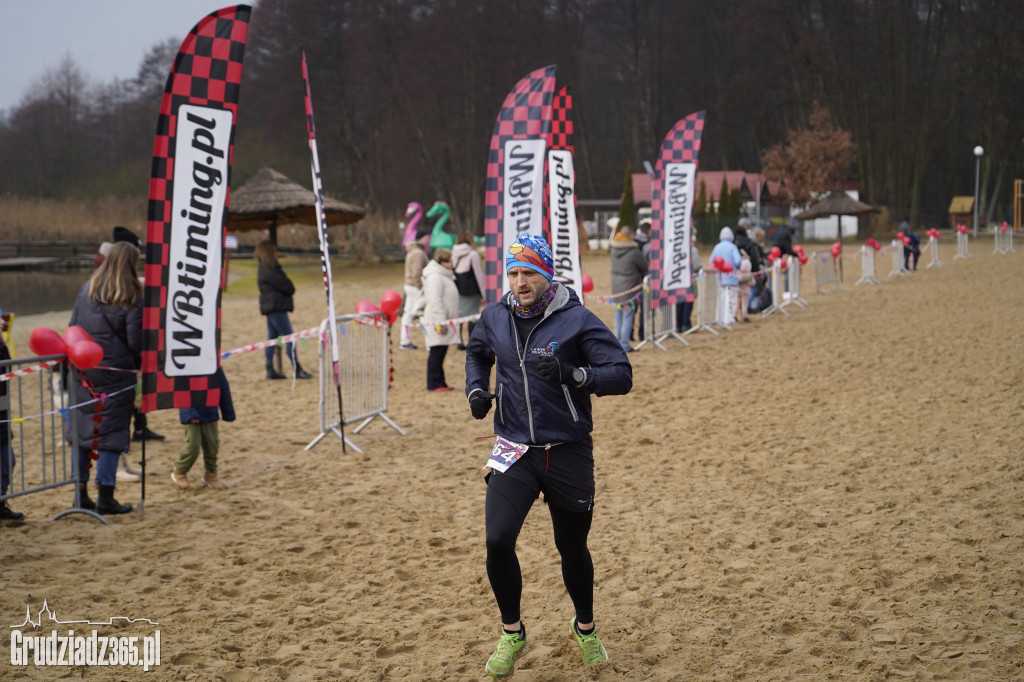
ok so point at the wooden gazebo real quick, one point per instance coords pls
(270, 199)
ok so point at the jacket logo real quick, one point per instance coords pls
(552, 347)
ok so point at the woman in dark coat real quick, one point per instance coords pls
(109, 307)
(276, 292)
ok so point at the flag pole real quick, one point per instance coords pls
(325, 256)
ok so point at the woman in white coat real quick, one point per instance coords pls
(441, 304)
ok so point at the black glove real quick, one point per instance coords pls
(552, 369)
(480, 403)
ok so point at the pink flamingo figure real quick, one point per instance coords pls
(415, 214)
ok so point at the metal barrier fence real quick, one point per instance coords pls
(1003, 237)
(867, 266)
(793, 275)
(364, 369)
(708, 303)
(660, 322)
(825, 271)
(897, 259)
(961, 246)
(933, 252)
(778, 295)
(33, 410)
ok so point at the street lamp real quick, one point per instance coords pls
(978, 152)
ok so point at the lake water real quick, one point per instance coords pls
(28, 292)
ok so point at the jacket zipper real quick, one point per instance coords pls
(568, 400)
(522, 366)
(501, 407)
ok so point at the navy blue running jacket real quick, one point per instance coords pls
(529, 408)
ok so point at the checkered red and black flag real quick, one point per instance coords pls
(188, 197)
(513, 200)
(321, 222)
(560, 226)
(672, 197)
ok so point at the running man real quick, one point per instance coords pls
(551, 354)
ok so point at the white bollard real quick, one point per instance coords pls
(897, 258)
(961, 245)
(933, 251)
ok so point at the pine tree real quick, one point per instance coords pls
(627, 207)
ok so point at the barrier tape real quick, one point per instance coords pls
(29, 370)
(65, 410)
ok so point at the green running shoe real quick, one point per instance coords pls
(593, 650)
(504, 657)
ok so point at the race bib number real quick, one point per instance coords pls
(505, 453)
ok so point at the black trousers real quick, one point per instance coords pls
(435, 367)
(570, 503)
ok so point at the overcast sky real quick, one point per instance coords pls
(106, 38)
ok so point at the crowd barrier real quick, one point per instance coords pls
(961, 246)
(1003, 238)
(659, 322)
(897, 259)
(867, 266)
(32, 407)
(933, 253)
(794, 273)
(778, 292)
(364, 365)
(709, 307)
(825, 271)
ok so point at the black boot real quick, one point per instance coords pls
(84, 501)
(106, 504)
(301, 373)
(274, 374)
(8, 514)
(141, 431)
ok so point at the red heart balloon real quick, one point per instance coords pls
(776, 251)
(74, 334)
(45, 341)
(798, 250)
(836, 249)
(392, 316)
(588, 283)
(365, 306)
(390, 301)
(727, 267)
(803, 259)
(877, 246)
(717, 261)
(85, 354)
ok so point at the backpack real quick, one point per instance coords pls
(465, 282)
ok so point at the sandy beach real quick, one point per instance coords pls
(837, 495)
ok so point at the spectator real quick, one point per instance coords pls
(911, 249)
(785, 241)
(276, 302)
(201, 431)
(745, 281)
(469, 280)
(109, 308)
(441, 303)
(6, 451)
(643, 241)
(415, 262)
(728, 251)
(628, 269)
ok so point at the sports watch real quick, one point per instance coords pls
(579, 375)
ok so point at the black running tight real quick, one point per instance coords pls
(505, 515)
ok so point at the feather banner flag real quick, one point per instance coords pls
(560, 226)
(514, 196)
(325, 252)
(188, 197)
(321, 220)
(672, 197)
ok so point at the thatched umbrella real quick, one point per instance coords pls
(837, 203)
(270, 199)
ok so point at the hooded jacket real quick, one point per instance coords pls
(727, 250)
(275, 290)
(628, 267)
(119, 333)
(529, 408)
(441, 303)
